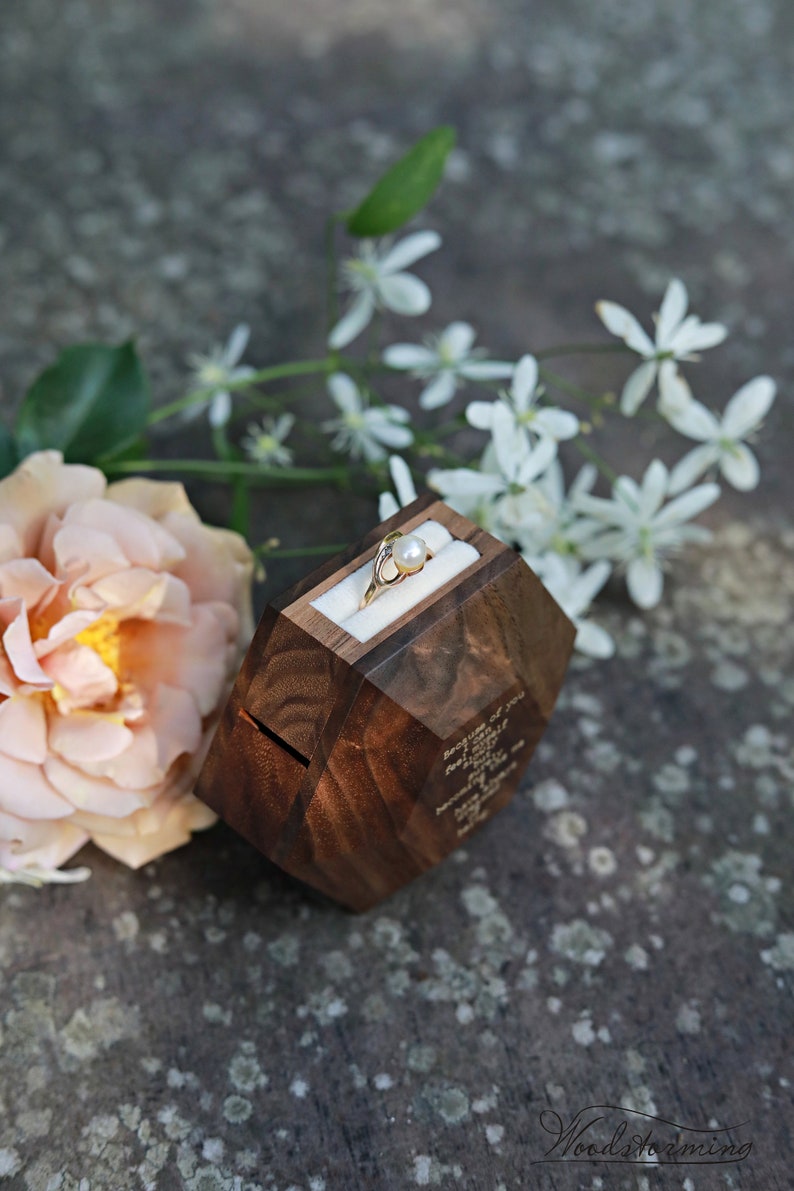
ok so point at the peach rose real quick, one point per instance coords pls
(123, 619)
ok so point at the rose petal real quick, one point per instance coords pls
(42, 843)
(10, 542)
(136, 767)
(26, 579)
(139, 592)
(86, 680)
(176, 724)
(18, 645)
(23, 729)
(41, 485)
(143, 541)
(25, 791)
(218, 565)
(84, 736)
(83, 554)
(95, 795)
(155, 498)
(193, 658)
(160, 829)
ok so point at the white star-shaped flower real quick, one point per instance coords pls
(362, 430)
(678, 337)
(378, 281)
(264, 442)
(445, 361)
(219, 370)
(526, 416)
(640, 529)
(722, 439)
(574, 590)
(556, 525)
(509, 468)
(403, 485)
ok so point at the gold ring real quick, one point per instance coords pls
(404, 553)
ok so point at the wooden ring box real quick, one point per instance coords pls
(356, 766)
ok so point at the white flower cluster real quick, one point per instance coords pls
(515, 489)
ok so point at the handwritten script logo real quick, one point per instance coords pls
(611, 1133)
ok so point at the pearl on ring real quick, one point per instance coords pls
(409, 553)
(404, 553)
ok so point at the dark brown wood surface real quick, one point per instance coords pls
(357, 765)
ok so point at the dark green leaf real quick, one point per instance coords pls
(404, 189)
(92, 401)
(9, 455)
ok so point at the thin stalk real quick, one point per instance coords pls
(261, 377)
(276, 402)
(213, 469)
(241, 507)
(223, 448)
(567, 386)
(603, 467)
(267, 552)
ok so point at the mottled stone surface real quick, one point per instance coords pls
(623, 932)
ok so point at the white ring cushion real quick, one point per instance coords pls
(340, 603)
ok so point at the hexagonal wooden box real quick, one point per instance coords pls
(356, 766)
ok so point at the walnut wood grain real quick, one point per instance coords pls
(356, 766)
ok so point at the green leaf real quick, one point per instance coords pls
(404, 189)
(9, 455)
(92, 401)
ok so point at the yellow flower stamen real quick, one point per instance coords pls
(104, 638)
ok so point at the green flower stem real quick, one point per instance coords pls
(274, 403)
(603, 467)
(267, 552)
(263, 376)
(332, 363)
(240, 511)
(573, 390)
(240, 518)
(215, 469)
(594, 457)
(223, 448)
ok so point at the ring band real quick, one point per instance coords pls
(407, 553)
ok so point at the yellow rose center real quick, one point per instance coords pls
(104, 638)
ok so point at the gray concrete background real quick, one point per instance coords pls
(207, 1024)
